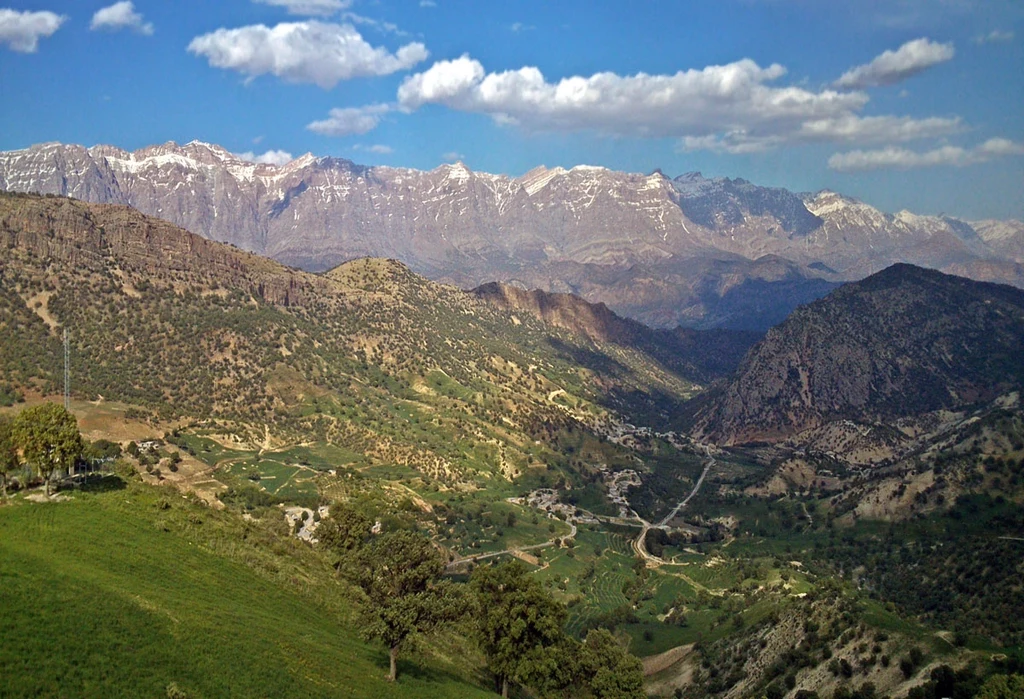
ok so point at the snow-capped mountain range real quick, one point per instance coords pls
(662, 250)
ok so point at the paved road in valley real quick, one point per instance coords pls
(640, 543)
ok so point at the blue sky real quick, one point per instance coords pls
(915, 104)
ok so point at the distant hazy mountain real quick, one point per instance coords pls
(902, 342)
(698, 251)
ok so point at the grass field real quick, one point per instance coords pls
(124, 592)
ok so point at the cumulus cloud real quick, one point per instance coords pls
(996, 36)
(322, 8)
(121, 15)
(892, 67)
(21, 31)
(350, 120)
(733, 108)
(271, 157)
(892, 158)
(308, 52)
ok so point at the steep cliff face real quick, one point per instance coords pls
(660, 250)
(902, 342)
(567, 311)
(701, 356)
(75, 234)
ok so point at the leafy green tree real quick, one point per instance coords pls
(49, 438)
(346, 530)
(1002, 687)
(615, 674)
(400, 572)
(9, 461)
(518, 622)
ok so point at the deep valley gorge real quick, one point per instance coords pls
(752, 514)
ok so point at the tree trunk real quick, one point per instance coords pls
(504, 688)
(47, 479)
(394, 664)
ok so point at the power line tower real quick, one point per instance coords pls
(67, 372)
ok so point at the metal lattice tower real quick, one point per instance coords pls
(67, 372)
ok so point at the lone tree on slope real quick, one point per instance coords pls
(48, 436)
(400, 572)
(519, 623)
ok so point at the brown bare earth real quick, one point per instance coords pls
(669, 670)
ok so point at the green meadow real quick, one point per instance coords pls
(131, 590)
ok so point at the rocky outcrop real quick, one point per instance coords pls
(78, 234)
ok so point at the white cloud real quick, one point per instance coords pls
(322, 8)
(350, 120)
(271, 157)
(996, 36)
(428, 3)
(520, 27)
(878, 129)
(388, 27)
(732, 108)
(892, 67)
(452, 156)
(378, 149)
(121, 15)
(902, 159)
(21, 31)
(309, 52)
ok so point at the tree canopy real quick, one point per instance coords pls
(9, 461)
(400, 572)
(518, 623)
(49, 438)
(1002, 687)
(346, 530)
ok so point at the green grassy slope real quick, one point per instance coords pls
(111, 595)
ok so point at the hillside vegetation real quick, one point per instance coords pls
(859, 549)
(187, 600)
(369, 356)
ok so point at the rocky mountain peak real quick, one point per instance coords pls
(904, 341)
(578, 230)
(539, 178)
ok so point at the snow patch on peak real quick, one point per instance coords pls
(992, 230)
(303, 161)
(458, 172)
(828, 202)
(694, 184)
(539, 178)
(912, 219)
(216, 151)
